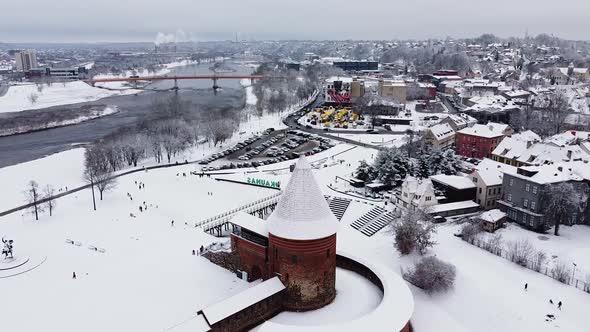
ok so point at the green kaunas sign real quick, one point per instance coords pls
(264, 183)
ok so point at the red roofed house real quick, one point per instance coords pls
(480, 140)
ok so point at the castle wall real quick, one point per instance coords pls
(308, 270)
(253, 258)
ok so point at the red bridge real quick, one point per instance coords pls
(214, 78)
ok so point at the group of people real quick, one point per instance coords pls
(559, 304)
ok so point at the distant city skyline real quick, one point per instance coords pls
(185, 20)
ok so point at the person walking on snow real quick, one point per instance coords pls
(526, 286)
(559, 305)
(73, 275)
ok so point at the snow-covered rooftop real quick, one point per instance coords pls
(492, 215)
(452, 206)
(462, 119)
(250, 222)
(491, 172)
(489, 130)
(242, 300)
(554, 173)
(302, 213)
(455, 181)
(442, 131)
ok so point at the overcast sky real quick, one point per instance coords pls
(141, 20)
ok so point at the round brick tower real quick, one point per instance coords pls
(302, 242)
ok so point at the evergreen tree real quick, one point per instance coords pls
(365, 171)
(392, 166)
(422, 168)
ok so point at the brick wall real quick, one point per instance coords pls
(307, 269)
(253, 258)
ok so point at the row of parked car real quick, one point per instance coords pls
(236, 148)
(258, 149)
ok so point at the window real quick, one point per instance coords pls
(533, 203)
(524, 216)
(527, 188)
(475, 179)
(534, 189)
(526, 203)
(511, 182)
(489, 191)
(509, 197)
(480, 190)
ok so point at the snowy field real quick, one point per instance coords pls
(147, 280)
(17, 98)
(571, 246)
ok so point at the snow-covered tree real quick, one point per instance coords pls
(422, 169)
(365, 171)
(443, 162)
(414, 231)
(432, 275)
(392, 166)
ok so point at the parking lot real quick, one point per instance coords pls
(269, 148)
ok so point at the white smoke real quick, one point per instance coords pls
(166, 38)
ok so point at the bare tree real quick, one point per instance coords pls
(471, 231)
(33, 195)
(559, 200)
(48, 193)
(98, 170)
(520, 252)
(560, 272)
(432, 275)
(539, 259)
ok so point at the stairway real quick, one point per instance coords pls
(365, 219)
(338, 206)
(377, 224)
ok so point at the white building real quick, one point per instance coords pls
(26, 60)
(488, 177)
(416, 194)
(440, 136)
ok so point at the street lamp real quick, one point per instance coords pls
(574, 271)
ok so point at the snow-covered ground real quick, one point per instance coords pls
(94, 114)
(147, 279)
(571, 246)
(18, 97)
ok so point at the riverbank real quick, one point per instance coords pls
(33, 96)
(27, 122)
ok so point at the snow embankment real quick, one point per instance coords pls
(28, 97)
(77, 116)
(251, 98)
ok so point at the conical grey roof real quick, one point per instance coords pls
(302, 212)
